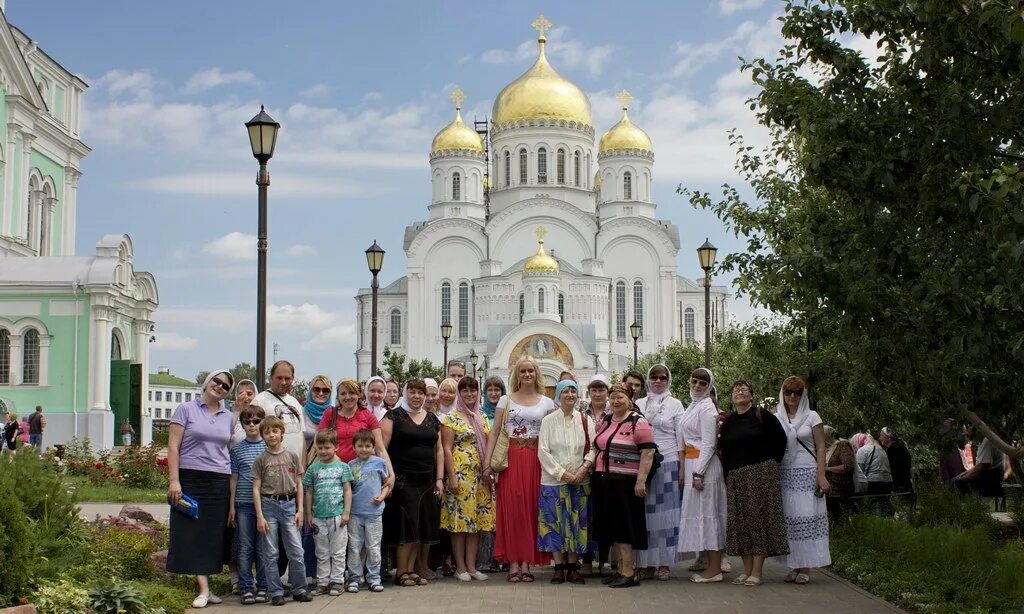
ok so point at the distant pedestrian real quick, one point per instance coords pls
(127, 433)
(11, 432)
(36, 424)
(900, 463)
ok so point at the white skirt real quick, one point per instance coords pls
(806, 519)
(703, 515)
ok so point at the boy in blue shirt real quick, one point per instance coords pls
(242, 509)
(369, 489)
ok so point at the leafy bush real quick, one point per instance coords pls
(114, 598)
(60, 597)
(122, 553)
(141, 468)
(78, 456)
(15, 544)
(169, 597)
(941, 506)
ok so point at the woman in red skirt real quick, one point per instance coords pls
(520, 414)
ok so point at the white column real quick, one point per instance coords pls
(26, 161)
(70, 196)
(16, 359)
(99, 353)
(10, 194)
(416, 306)
(142, 357)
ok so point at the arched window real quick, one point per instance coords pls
(542, 165)
(638, 303)
(620, 311)
(116, 352)
(560, 167)
(446, 303)
(522, 306)
(463, 311)
(508, 169)
(5, 357)
(30, 357)
(576, 169)
(456, 186)
(396, 327)
(627, 186)
(561, 307)
(540, 300)
(688, 324)
(522, 167)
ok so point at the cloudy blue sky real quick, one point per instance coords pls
(360, 89)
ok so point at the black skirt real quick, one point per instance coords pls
(413, 513)
(619, 515)
(197, 545)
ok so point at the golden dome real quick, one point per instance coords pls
(625, 134)
(541, 93)
(541, 262)
(457, 136)
(597, 179)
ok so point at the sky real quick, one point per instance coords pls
(360, 90)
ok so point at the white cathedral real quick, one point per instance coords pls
(530, 249)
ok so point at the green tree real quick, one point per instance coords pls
(395, 365)
(201, 377)
(243, 370)
(888, 218)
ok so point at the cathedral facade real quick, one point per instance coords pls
(541, 240)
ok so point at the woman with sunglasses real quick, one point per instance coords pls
(199, 465)
(804, 482)
(665, 413)
(704, 498)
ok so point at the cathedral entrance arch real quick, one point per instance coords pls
(554, 346)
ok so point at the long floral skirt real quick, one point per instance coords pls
(563, 522)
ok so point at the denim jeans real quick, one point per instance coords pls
(36, 441)
(364, 532)
(249, 549)
(280, 515)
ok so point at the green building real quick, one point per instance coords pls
(74, 330)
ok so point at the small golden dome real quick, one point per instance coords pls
(541, 262)
(541, 93)
(625, 134)
(597, 179)
(457, 136)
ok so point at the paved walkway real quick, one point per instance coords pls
(825, 594)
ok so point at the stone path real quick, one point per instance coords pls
(88, 511)
(826, 593)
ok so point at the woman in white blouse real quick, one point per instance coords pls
(566, 454)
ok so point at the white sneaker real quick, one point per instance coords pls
(479, 575)
(201, 601)
(463, 576)
(214, 599)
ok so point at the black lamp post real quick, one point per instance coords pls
(635, 330)
(262, 137)
(706, 255)
(446, 333)
(473, 358)
(375, 261)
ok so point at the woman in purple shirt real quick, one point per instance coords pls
(200, 467)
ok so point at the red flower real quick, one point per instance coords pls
(99, 465)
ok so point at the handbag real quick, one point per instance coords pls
(499, 457)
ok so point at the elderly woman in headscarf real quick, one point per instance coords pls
(374, 392)
(430, 400)
(199, 465)
(566, 451)
(841, 469)
(468, 507)
(665, 413)
(704, 497)
(874, 477)
(804, 482)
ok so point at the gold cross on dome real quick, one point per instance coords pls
(458, 97)
(541, 24)
(540, 233)
(625, 98)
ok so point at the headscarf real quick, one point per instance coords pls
(315, 411)
(488, 407)
(860, 440)
(475, 417)
(446, 409)
(374, 409)
(561, 387)
(656, 400)
(803, 411)
(694, 397)
(213, 374)
(403, 401)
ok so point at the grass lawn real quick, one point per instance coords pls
(88, 492)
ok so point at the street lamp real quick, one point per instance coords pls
(635, 330)
(262, 137)
(375, 261)
(446, 333)
(706, 255)
(473, 358)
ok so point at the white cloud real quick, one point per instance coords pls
(213, 183)
(218, 320)
(319, 90)
(323, 329)
(728, 7)
(214, 77)
(339, 334)
(300, 250)
(565, 52)
(173, 342)
(136, 84)
(234, 246)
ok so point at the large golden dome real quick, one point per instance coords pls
(541, 262)
(541, 93)
(457, 136)
(625, 134)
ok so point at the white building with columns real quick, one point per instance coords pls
(74, 330)
(539, 241)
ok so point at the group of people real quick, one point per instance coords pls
(312, 496)
(15, 431)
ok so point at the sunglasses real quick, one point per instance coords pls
(658, 378)
(252, 422)
(223, 385)
(790, 393)
(694, 382)
(318, 390)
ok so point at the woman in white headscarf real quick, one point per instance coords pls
(373, 395)
(665, 413)
(804, 482)
(704, 495)
(430, 402)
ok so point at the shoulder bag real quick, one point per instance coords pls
(499, 457)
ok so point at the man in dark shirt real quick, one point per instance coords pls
(36, 424)
(899, 460)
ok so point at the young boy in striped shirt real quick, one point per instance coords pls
(242, 510)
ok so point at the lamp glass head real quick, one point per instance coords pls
(262, 135)
(706, 255)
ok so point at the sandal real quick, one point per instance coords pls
(753, 581)
(514, 577)
(790, 577)
(527, 576)
(405, 579)
(662, 574)
(740, 579)
(420, 580)
(802, 578)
